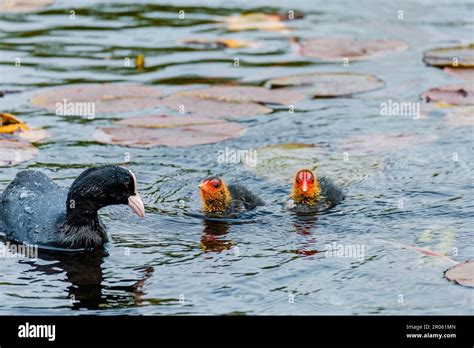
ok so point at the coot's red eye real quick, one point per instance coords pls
(216, 185)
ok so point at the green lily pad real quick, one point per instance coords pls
(460, 94)
(211, 107)
(104, 98)
(280, 162)
(172, 131)
(458, 56)
(326, 85)
(335, 49)
(462, 274)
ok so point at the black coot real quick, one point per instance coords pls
(35, 210)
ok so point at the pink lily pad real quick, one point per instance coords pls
(461, 73)
(247, 94)
(461, 94)
(172, 131)
(16, 6)
(325, 85)
(375, 143)
(105, 98)
(335, 49)
(211, 107)
(16, 151)
(459, 56)
(462, 274)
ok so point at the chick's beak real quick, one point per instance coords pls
(135, 202)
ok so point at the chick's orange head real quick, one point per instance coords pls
(306, 184)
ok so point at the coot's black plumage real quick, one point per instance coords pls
(219, 200)
(35, 210)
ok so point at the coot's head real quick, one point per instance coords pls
(99, 187)
(214, 195)
(306, 188)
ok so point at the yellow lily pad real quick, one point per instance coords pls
(255, 21)
(10, 124)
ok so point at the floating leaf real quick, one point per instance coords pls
(14, 6)
(246, 94)
(15, 151)
(210, 107)
(461, 73)
(280, 162)
(9, 124)
(140, 62)
(172, 131)
(458, 56)
(335, 49)
(101, 98)
(462, 94)
(255, 21)
(328, 84)
(223, 43)
(365, 144)
(461, 116)
(462, 274)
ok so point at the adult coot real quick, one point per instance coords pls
(35, 210)
(219, 200)
(310, 194)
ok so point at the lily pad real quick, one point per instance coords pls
(462, 274)
(219, 44)
(280, 162)
(458, 56)
(366, 144)
(461, 116)
(164, 130)
(325, 85)
(103, 99)
(15, 151)
(247, 94)
(461, 73)
(335, 49)
(211, 107)
(9, 124)
(255, 21)
(461, 94)
(15, 6)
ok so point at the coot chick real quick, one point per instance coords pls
(35, 210)
(310, 194)
(219, 200)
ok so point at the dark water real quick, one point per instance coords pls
(268, 262)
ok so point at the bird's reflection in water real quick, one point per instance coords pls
(84, 272)
(212, 237)
(305, 226)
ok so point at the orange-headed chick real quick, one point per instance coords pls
(310, 194)
(219, 200)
